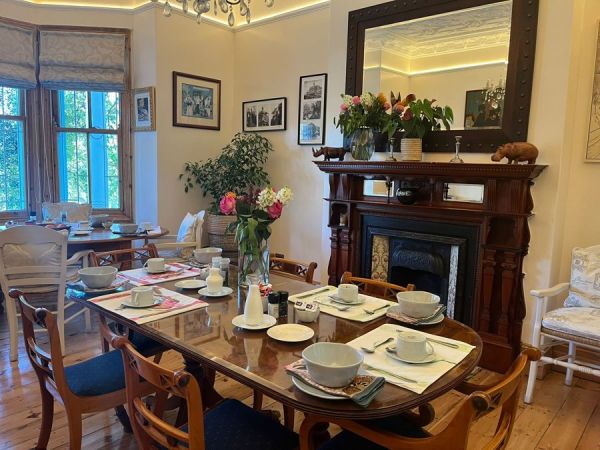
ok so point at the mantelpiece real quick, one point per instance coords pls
(496, 233)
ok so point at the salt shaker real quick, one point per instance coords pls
(273, 309)
(283, 303)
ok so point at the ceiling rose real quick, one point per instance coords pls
(200, 7)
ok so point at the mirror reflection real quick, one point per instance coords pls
(463, 192)
(459, 58)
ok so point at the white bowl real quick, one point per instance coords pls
(98, 277)
(417, 304)
(205, 255)
(128, 228)
(97, 219)
(308, 316)
(331, 364)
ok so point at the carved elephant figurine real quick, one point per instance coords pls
(330, 153)
(517, 152)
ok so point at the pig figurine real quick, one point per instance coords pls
(516, 152)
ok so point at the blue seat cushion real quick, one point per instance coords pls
(396, 424)
(97, 376)
(143, 344)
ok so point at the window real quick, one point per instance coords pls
(13, 196)
(89, 147)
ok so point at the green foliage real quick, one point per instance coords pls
(420, 117)
(236, 169)
(12, 175)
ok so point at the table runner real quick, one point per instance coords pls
(173, 303)
(380, 364)
(355, 313)
(176, 271)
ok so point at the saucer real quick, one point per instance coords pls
(79, 286)
(267, 322)
(154, 272)
(157, 301)
(314, 392)
(359, 300)
(222, 293)
(190, 284)
(434, 321)
(291, 332)
(391, 352)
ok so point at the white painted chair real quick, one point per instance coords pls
(191, 236)
(576, 324)
(76, 212)
(34, 260)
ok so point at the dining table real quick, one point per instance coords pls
(207, 339)
(103, 240)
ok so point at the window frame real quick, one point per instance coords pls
(24, 119)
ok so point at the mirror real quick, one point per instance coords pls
(476, 56)
(459, 58)
(375, 188)
(464, 192)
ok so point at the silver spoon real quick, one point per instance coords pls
(339, 308)
(376, 344)
(372, 311)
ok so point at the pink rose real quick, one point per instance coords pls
(274, 211)
(356, 100)
(227, 205)
(344, 107)
(387, 106)
(408, 114)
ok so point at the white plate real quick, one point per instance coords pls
(154, 272)
(83, 288)
(190, 284)
(224, 291)
(82, 232)
(268, 322)
(392, 354)
(433, 321)
(157, 301)
(359, 301)
(291, 332)
(308, 389)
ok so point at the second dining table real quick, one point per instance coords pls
(207, 339)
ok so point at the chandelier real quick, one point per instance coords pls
(203, 6)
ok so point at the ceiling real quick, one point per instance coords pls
(471, 29)
(258, 7)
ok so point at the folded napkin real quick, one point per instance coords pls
(394, 313)
(362, 390)
(175, 271)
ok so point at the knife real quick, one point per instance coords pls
(310, 294)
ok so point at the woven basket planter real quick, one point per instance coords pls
(215, 227)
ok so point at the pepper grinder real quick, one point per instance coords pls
(457, 158)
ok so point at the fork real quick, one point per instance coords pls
(372, 311)
(391, 374)
(339, 308)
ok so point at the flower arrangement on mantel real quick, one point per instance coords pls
(416, 118)
(255, 212)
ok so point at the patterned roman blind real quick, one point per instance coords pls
(83, 60)
(17, 55)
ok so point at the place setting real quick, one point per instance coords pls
(96, 281)
(417, 308)
(155, 270)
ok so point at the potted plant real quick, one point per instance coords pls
(416, 118)
(359, 118)
(239, 167)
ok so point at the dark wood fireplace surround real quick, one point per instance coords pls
(502, 220)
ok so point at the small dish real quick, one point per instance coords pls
(391, 352)
(157, 301)
(308, 389)
(359, 300)
(291, 332)
(222, 293)
(267, 322)
(82, 232)
(190, 284)
(154, 272)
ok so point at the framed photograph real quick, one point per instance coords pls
(144, 112)
(196, 102)
(482, 114)
(592, 150)
(265, 115)
(311, 110)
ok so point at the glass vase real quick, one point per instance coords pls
(253, 264)
(363, 144)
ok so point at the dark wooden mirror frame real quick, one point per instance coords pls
(519, 76)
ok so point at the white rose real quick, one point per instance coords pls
(266, 198)
(285, 195)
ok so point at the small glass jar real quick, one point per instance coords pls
(273, 308)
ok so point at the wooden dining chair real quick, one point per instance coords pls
(376, 288)
(293, 269)
(230, 425)
(93, 385)
(402, 434)
(125, 258)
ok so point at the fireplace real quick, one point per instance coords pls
(434, 256)
(468, 251)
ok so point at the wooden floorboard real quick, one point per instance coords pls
(561, 417)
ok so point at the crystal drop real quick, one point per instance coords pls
(167, 9)
(231, 19)
(196, 6)
(205, 7)
(223, 5)
(248, 18)
(243, 8)
(269, 3)
(198, 18)
(184, 6)
(215, 7)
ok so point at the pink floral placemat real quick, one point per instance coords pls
(173, 303)
(176, 271)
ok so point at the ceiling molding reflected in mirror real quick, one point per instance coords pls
(476, 56)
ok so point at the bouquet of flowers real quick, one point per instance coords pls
(255, 212)
(417, 117)
(367, 110)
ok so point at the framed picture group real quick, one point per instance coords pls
(312, 104)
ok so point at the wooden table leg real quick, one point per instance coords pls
(206, 380)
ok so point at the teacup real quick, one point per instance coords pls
(142, 296)
(155, 265)
(413, 346)
(348, 293)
